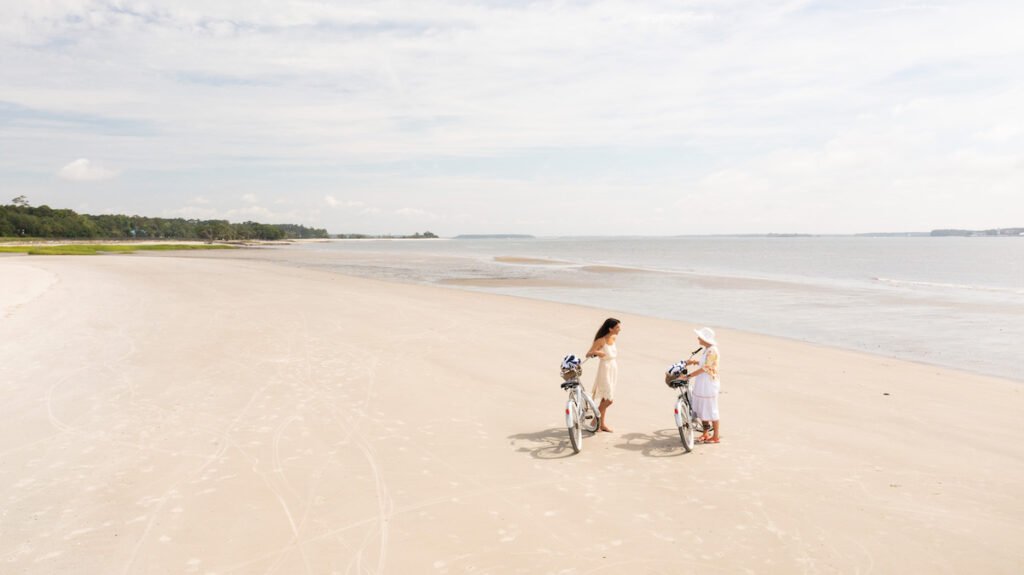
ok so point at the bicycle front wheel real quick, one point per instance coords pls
(686, 429)
(575, 431)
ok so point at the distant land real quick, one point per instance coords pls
(494, 237)
(416, 236)
(1001, 232)
(998, 232)
(896, 235)
(19, 221)
(976, 233)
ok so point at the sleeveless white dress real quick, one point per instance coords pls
(706, 386)
(607, 375)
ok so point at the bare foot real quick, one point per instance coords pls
(702, 438)
(606, 428)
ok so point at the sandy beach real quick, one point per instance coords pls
(204, 414)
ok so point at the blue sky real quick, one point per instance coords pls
(548, 118)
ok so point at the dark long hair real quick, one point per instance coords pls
(606, 327)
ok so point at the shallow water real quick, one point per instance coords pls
(955, 302)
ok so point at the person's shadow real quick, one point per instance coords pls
(661, 443)
(548, 444)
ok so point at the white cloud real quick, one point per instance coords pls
(347, 204)
(82, 170)
(416, 214)
(463, 107)
(255, 213)
(192, 213)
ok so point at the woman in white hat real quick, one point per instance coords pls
(706, 385)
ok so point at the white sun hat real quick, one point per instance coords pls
(707, 334)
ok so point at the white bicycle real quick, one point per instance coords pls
(686, 420)
(581, 413)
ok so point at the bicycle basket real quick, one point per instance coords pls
(675, 373)
(572, 367)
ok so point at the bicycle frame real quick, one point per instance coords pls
(577, 395)
(684, 406)
(684, 415)
(581, 412)
(684, 401)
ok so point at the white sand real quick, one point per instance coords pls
(193, 415)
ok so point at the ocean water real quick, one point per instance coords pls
(954, 301)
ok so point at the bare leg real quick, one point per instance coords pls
(603, 408)
(704, 435)
(715, 437)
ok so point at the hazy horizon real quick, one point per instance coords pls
(547, 118)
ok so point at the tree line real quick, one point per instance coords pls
(416, 236)
(993, 232)
(19, 219)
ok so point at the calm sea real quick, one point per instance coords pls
(948, 301)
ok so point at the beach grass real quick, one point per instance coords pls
(94, 249)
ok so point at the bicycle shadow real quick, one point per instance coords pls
(661, 443)
(547, 444)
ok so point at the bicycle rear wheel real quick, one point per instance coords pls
(591, 419)
(686, 435)
(575, 432)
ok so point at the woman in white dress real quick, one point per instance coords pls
(706, 384)
(608, 371)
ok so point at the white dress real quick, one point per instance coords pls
(607, 375)
(706, 386)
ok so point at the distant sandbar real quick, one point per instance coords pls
(531, 261)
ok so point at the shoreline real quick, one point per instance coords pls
(488, 285)
(195, 414)
(128, 242)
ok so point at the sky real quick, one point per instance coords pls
(631, 117)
